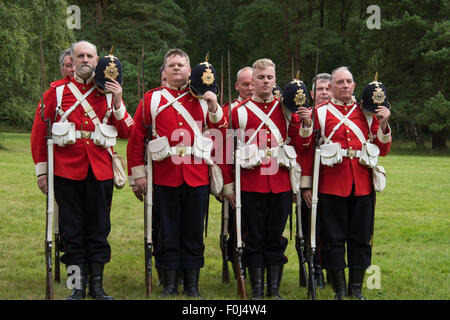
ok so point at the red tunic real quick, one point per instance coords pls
(175, 170)
(339, 179)
(73, 161)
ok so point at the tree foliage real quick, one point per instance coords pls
(21, 25)
(410, 51)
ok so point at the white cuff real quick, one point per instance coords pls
(138, 172)
(306, 182)
(119, 113)
(131, 182)
(384, 138)
(228, 189)
(305, 132)
(41, 168)
(217, 116)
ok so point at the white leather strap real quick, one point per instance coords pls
(182, 110)
(80, 99)
(335, 112)
(265, 118)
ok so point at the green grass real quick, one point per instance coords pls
(411, 241)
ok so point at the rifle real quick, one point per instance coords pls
(312, 282)
(50, 188)
(57, 245)
(239, 244)
(148, 198)
(225, 207)
(300, 242)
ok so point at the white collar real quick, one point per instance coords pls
(81, 80)
(256, 99)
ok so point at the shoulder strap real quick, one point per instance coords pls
(265, 118)
(350, 123)
(59, 94)
(80, 99)
(182, 110)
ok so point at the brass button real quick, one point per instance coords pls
(268, 139)
(180, 123)
(181, 133)
(84, 88)
(348, 139)
(86, 122)
(85, 114)
(87, 142)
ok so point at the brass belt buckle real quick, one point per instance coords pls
(85, 134)
(181, 151)
(351, 153)
(268, 153)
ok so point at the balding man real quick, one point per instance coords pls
(83, 172)
(345, 206)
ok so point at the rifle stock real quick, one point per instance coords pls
(300, 244)
(224, 242)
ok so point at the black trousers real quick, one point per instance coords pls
(346, 220)
(264, 217)
(84, 218)
(180, 212)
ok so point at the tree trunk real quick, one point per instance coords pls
(438, 141)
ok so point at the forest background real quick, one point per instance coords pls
(407, 42)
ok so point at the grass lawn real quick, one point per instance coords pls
(411, 241)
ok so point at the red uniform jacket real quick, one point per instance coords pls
(258, 179)
(175, 170)
(73, 161)
(339, 179)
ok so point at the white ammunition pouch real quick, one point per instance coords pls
(216, 179)
(159, 148)
(295, 175)
(250, 156)
(287, 156)
(330, 154)
(379, 178)
(202, 148)
(104, 135)
(369, 154)
(120, 170)
(64, 133)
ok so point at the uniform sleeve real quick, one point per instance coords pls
(39, 131)
(136, 142)
(123, 121)
(383, 140)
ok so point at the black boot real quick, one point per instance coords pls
(338, 281)
(355, 282)
(78, 293)
(320, 281)
(96, 281)
(274, 275)
(190, 282)
(257, 282)
(170, 282)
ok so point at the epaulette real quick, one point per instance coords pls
(60, 82)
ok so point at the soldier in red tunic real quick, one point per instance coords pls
(351, 141)
(266, 185)
(176, 117)
(83, 173)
